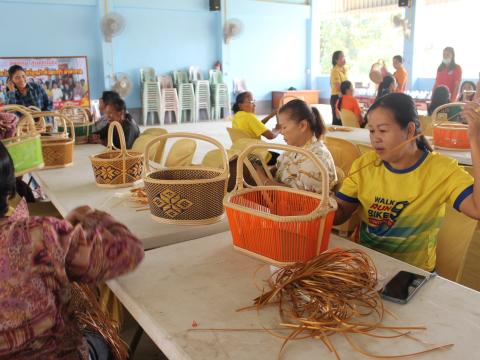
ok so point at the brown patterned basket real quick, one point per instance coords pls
(81, 122)
(186, 195)
(117, 167)
(57, 148)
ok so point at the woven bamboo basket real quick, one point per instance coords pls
(186, 195)
(81, 122)
(114, 167)
(449, 135)
(278, 224)
(57, 148)
(25, 150)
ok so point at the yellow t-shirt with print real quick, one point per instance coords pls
(402, 210)
(338, 75)
(249, 123)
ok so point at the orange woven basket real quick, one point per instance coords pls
(186, 195)
(81, 122)
(277, 224)
(117, 167)
(57, 148)
(449, 135)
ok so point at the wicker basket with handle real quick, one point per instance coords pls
(81, 122)
(117, 167)
(24, 149)
(186, 195)
(57, 148)
(448, 134)
(280, 225)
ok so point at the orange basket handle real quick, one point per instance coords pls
(437, 122)
(323, 171)
(63, 119)
(26, 122)
(184, 135)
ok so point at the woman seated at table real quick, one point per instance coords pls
(106, 99)
(387, 86)
(402, 198)
(22, 93)
(348, 102)
(40, 257)
(300, 126)
(244, 119)
(117, 111)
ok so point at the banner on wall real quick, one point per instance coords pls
(65, 79)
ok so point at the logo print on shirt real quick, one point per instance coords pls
(383, 214)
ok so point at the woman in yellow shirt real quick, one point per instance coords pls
(401, 191)
(337, 76)
(245, 119)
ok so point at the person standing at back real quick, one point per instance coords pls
(338, 74)
(400, 74)
(449, 73)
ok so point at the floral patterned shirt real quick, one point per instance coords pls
(39, 257)
(297, 171)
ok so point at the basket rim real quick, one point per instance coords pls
(57, 142)
(130, 154)
(17, 139)
(222, 176)
(319, 211)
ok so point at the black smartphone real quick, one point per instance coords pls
(403, 286)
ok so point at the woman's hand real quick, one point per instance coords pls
(10, 85)
(471, 112)
(78, 215)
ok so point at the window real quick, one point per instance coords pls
(365, 36)
(446, 23)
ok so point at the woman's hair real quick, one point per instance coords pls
(398, 58)
(466, 82)
(13, 69)
(344, 87)
(452, 64)
(239, 100)
(404, 112)
(108, 96)
(383, 88)
(7, 179)
(118, 104)
(335, 56)
(299, 110)
(440, 96)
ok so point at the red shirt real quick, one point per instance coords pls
(449, 78)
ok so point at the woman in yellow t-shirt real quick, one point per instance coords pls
(338, 74)
(401, 192)
(245, 119)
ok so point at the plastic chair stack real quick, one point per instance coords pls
(202, 98)
(150, 94)
(169, 100)
(220, 102)
(186, 97)
(180, 77)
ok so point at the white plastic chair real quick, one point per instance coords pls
(151, 100)
(202, 98)
(179, 77)
(220, 101)
(169, 103)
(147, 74)
(215, 77)
(186, 98)
(194, 74)
(166, 82)
(239, 86)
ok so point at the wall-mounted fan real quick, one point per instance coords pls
(401, 22)
(111, 25)
(232, 29)
(122, 84)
